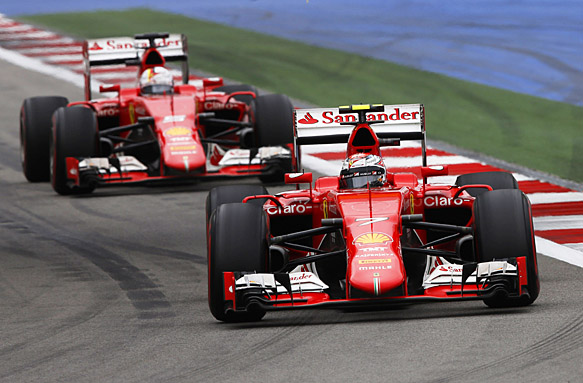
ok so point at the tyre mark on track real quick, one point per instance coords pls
(143, 293)
(566, 339)
(270, 348)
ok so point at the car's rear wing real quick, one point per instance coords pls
(129, 51)
(319, 126)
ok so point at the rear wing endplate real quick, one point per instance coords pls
(129, 51)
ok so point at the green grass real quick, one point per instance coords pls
(530, 131)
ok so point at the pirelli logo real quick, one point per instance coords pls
(373, 261)
(186, 147)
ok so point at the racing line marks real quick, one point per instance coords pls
(42, 49)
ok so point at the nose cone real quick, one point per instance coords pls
(185, 156)
(375, 270)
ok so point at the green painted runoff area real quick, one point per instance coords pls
(530, 131)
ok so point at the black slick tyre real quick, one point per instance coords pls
(74, 134)
(503, 229)
(237, 241)
(230, 194)
(35, 129)
(273, 117)
(497, 180)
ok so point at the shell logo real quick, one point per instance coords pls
(372, 238)
(177, 131)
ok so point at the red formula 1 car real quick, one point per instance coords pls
(368, 237)
(156, 131)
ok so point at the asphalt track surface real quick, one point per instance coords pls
(112, 287)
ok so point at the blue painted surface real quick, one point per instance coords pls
(529, 46)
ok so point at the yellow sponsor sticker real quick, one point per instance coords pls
(177, 131)
(373, 261)
(371, 238)
(183, 147)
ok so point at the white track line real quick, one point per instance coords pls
(558, 222)
(555, 197)
(560, 252)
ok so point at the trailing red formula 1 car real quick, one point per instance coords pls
(156, 131)
(368, 237)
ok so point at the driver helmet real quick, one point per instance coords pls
(156, 80)
(361, 169)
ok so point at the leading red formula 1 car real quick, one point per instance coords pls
(368, 237)
(156, 131)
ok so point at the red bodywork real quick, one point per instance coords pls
(179, 122)
(375, 232)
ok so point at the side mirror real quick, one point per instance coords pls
(298, 178)
(432, 171)
(112, 88)
(212, 81)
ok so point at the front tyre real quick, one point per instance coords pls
(237, 241)
(497, 180)
(230, 194)
(503, 229)
(35, 130)
(74, 134)
(247, 99)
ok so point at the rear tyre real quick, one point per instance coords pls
(237, 241)
(239, 88)
(231, 194)
(274, 114)
(498, 180)
(35, 129)
(74, 134)
(503, 229)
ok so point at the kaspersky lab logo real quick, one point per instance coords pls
(372, 239)
(308, 119)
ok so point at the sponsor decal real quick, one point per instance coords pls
(371, 255)
(295, 175)
(438, 201)
(177, 131)
(301, 277)
(369, 261)
(174, 118)
(370, 268)
(412, 203)
(95, 47)
(108, 111)
(377, 248)
(366, 221)
(325, 208)
(328, 117)
(450, 268)
(308, 119)
(216, 105)
(132, 113)
(183, 147)
(289, 209)
(372, 238)
(125, 44)
(180, 139)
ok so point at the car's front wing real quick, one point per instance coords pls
(284, 291)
